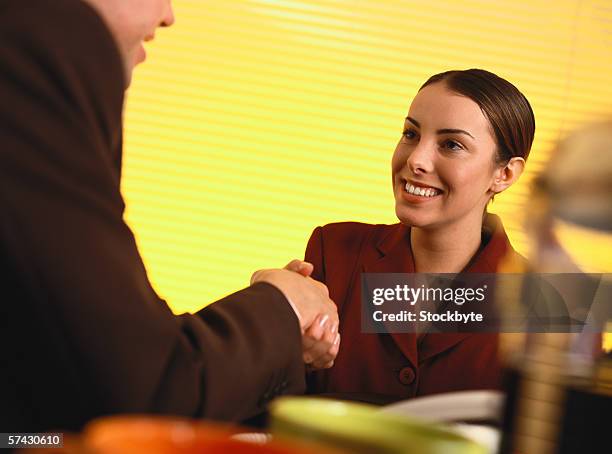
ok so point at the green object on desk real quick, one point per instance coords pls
(361, 428)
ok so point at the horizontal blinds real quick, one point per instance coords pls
(255, 121)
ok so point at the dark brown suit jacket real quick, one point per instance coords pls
(82, 332)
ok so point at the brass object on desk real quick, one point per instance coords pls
(559, 397)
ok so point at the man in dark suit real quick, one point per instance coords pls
(83, 333)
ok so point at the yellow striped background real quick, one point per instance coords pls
(255, 121)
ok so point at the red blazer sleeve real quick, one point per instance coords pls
(82, 332)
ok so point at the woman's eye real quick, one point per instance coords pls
(409, 134)
(452, 145)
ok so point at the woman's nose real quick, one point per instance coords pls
(420, 159)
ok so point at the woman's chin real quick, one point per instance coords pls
(410, 218)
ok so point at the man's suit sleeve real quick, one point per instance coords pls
(63, 236)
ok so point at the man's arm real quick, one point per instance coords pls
(77, 288)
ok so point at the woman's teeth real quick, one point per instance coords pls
(423, 192)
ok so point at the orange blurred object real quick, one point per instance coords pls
(162, 435)
(154, 435)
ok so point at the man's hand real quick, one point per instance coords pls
(317, 313)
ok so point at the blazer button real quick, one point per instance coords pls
(406, 376)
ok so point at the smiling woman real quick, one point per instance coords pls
(466, 138)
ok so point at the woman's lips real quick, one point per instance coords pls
(414, 193)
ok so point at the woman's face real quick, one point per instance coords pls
(444, 167)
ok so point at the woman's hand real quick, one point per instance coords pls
(321, 340)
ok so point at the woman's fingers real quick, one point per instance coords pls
(313, 336)
(326, 360)
(322, 350)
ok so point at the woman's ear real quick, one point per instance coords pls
(506, 176)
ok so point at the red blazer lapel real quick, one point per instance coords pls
(394, 256)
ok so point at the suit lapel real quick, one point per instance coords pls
(393, 255)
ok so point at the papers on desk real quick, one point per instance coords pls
(457, 409)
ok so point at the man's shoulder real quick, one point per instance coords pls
(57, 32)
(62, 85)
(36, 11)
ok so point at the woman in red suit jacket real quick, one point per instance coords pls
(466, 138)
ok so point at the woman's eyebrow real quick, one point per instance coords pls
(442, 131)
(413, 121)
(454, 131)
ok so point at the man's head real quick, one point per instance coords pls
(132, 22)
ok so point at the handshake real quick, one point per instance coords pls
(316, 312)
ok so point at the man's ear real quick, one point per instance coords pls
(506, 176)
